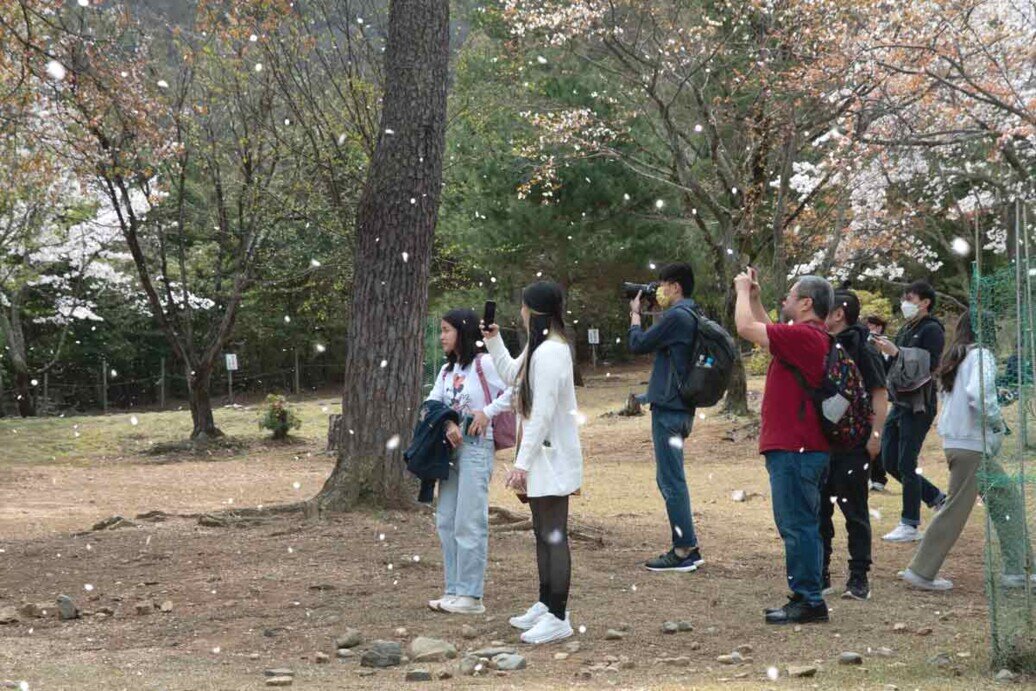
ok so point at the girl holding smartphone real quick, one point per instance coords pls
(548, 468)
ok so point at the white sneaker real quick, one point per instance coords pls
(548, 629)
(462, 604)
(1016, 580)
(904, 533)
(877, 487)
(923, 583)
(436, 605)
(528, 620)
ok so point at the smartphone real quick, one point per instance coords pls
(489, 314)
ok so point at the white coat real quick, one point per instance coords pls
(557, 469)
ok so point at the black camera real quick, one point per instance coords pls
(649, 291)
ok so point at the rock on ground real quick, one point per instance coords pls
(418, 675)
(493, 652)
(279, 672)
(802, 671)
(848, 658)
(424, 649)
(1006, 676)
(67, 608)
(350, 639)
(383, 654)
(508, 663)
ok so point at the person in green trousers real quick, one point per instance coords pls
(972, 429)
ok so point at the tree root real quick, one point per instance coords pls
(505, 520)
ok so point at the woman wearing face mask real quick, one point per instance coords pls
(462, 512)
(905, 429)
(549, 465)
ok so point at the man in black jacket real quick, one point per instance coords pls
(905, 430)
(848, 478)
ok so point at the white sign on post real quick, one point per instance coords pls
(231, 362)
(594, 336)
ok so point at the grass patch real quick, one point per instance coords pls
(87, 439)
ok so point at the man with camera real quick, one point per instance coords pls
(671, 338)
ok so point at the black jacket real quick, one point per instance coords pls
(865, 355)
(428, 456)
(927, 333)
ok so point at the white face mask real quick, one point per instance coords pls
(910, 309)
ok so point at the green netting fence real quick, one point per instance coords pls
(1004, 318)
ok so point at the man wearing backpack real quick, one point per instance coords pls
(906, 428)
(791, 437)
(671, 339)
(848, 478)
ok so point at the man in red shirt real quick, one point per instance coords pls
(791, 439)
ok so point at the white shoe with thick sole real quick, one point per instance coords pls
(526, 621)
(548, 629)
(904, 533)
(436, 605)
(938, 584)
(462, 604)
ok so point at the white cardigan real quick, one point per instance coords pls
(960, 425)
(555, 470)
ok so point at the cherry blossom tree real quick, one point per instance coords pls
(727, 104)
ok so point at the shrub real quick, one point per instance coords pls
(756, 362)
(279, 417)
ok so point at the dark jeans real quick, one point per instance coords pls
(669, 429)
(877, 471)
(796, 480)
(901, 444)
(847, 487)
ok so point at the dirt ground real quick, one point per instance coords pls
(275, 593)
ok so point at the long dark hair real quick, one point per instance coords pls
(545, 301)
(965, 335)
(465, 321)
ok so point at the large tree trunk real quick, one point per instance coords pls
(736, 401)
(11, 329)
(199, 384)
(394, 230)
(23, 392)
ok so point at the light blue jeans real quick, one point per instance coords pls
(462, 517)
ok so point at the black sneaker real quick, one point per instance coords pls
(798, 612)
(794, 597)
(857, 588)
(671, 561)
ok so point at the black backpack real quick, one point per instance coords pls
(710, 366)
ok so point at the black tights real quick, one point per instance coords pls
(550, 523)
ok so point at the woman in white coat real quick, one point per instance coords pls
(548, 468)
